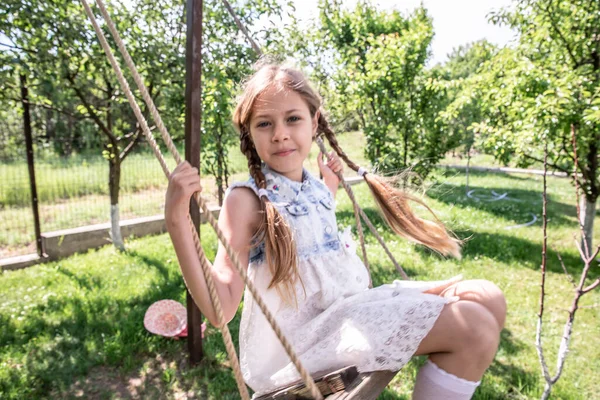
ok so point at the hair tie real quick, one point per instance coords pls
(361, 171)
(263, 192)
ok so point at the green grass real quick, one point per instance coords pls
(482, 160)
(74, 192)
(73, 328)
(77, 176)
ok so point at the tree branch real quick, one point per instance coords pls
(48, 107)
(91, 111)
(554, 166)
(564, 148)
(538, 333)
(562, 264)
(576, 63)
(131, 144)
(563, 349)
(592, 286)
(18, 48)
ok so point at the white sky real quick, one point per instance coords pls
(455, 22)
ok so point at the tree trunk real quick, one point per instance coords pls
(114, 183)
(468, 166)
(50, 126)
(68, 146)
(30, 162)
(405, 148)
(587, 211)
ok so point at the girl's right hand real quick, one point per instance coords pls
(184, 181)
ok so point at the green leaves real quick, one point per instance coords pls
(371, 67)
(538, 89)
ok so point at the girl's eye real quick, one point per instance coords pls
(294, 119)
(262, 124)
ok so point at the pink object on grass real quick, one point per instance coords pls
(168, 318)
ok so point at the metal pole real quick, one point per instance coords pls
(193, 118)
(30, 164)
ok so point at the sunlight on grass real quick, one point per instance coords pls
(73, 328)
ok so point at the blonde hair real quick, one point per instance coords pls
(280, 247)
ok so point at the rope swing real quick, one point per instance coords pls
(199, 200)
(206, 268)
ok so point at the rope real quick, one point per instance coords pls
(205, 268)
(359, 210)
(355, 207)
(361, 236)
(204, 263)
(242, 28)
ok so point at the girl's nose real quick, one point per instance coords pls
(280, 132)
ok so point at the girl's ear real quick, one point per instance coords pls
(315, 124)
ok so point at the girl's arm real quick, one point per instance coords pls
(238, 221)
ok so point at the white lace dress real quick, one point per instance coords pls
(339, 321)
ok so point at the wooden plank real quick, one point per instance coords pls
(368, 386)
(193, 120)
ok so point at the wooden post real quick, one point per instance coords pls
(30, 164)
(193, 118)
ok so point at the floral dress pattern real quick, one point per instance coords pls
(338, 321)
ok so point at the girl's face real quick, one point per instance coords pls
(282, 130)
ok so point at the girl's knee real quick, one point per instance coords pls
(484, 292)
(494, 300)
(465, 328)
(480, 336)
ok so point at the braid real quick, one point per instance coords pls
(280, 248)
(247, 148)
(395, 206)
(326, 129)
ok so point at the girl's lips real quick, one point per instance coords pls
(284, 153)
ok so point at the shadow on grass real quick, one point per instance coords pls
(85, 282)
(165, 374)
(516, 379)
(501, 247)
(515, 208)
(509, 249)
(99, 336)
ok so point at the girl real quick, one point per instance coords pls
(281, 223)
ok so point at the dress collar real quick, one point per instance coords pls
(283, 186)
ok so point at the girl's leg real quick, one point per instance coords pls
(463, 340)
(461, 345)
(483, 292)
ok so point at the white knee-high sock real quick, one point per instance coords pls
(433, 383)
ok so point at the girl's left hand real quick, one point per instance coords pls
(330, 169)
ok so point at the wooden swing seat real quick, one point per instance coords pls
(367, 386)
(345, 384)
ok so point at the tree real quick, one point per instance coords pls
(542, 88)
(227, 59)
(371, 65)
(56, 44)
(75, 83)
(464, 62)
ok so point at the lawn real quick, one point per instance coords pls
(74, 192)
(73, 328)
